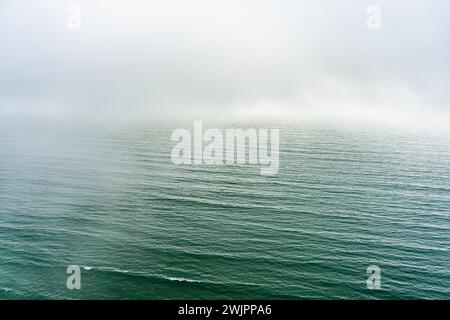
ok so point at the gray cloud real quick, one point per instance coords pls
(153, 58)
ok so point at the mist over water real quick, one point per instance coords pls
(86, 175)
(109, 198)
(214, 58)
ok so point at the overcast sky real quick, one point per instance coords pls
(208, 57)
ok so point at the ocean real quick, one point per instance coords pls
(109, 199)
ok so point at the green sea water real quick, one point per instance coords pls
(109, 198)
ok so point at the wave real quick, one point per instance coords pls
(182, 279)
(142, 274)
(165, 277)
(11, 291)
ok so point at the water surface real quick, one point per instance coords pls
(109, 199)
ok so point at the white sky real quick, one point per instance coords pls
(208, 57)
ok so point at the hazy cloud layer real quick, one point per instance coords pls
(208, 57)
